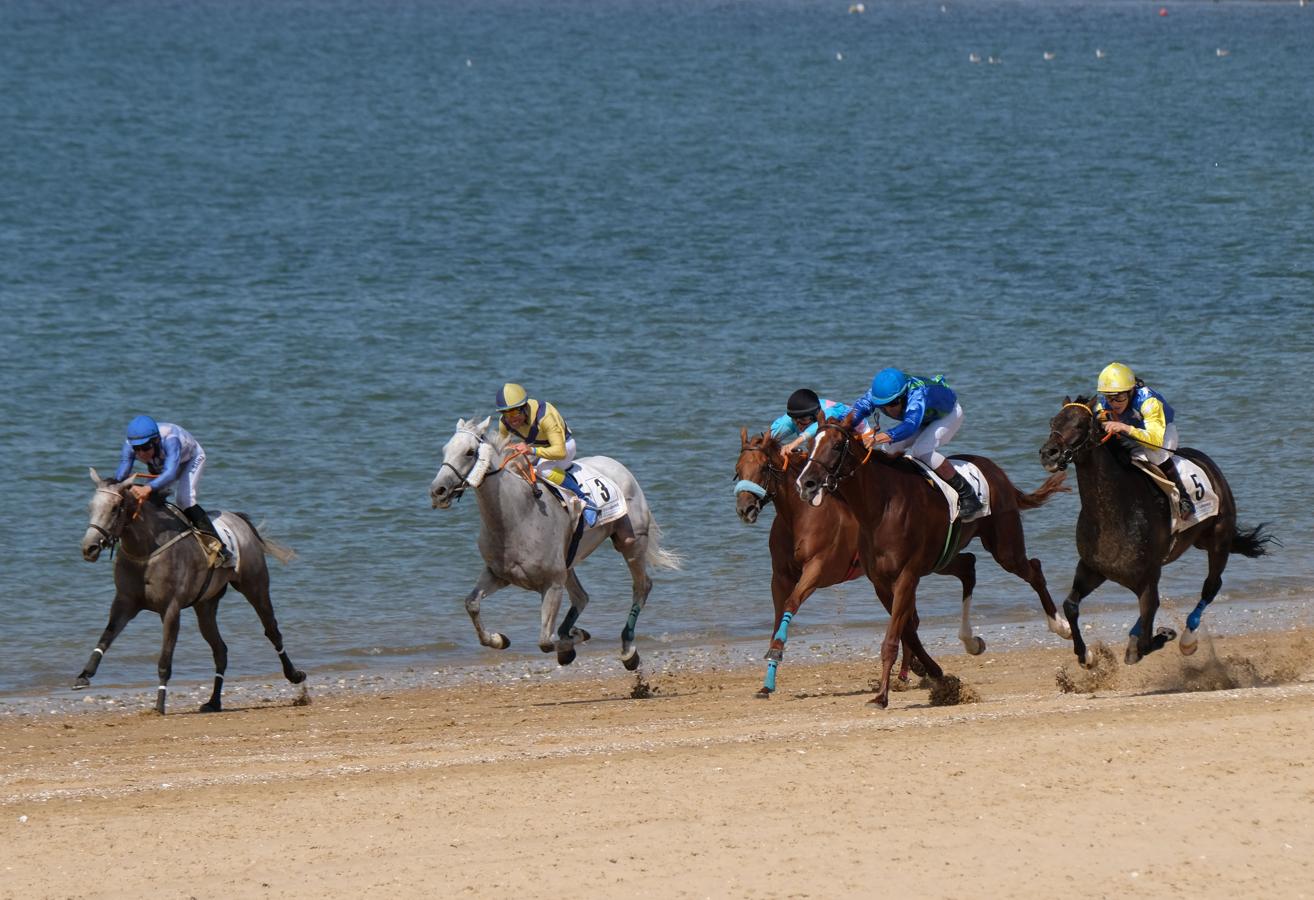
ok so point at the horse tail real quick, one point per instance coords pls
(1252, 543)
(280, 552)
(1053, 485)
(656, 556)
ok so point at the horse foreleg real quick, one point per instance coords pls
(1212, 584)
(1144, 638)
(568, 635)
(781, 587)
(1084, 580)
(635, 552)
(261, 602)
(122, 612)
(487, 585)
(804, 588)
(901, 615)
(548, 609)
(207, 618)
(169, 618)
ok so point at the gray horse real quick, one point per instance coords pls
(528, 539)
(162, 567)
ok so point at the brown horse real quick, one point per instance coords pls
(811, 547)
(905, 529)
(1124, 530)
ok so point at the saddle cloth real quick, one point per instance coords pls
(1196, 480)
(974, 477)
(223, 523)
(602, 491)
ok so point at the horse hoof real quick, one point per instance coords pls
(297, 677)
(977, 647)
(631, 660)
(1188, 644)
(81, 683)
(566, 657)
(210, 707)
(1061, 628)
(499, 641)
(579, 635)
(880, 702)
(1166, 633)
(763, 693)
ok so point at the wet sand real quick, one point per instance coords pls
(1179, 776)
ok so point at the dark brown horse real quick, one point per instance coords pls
(811, 547)
(1124, 530)
(905, 531)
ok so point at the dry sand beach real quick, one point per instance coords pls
(1178, 777)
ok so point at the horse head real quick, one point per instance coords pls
(1074, 430)
(825, 468)
(112, 508)
(759, 473)
(467, 456)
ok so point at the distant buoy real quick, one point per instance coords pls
(839, 57)
(1222, 52)
(974, 57)
(1049, 55)
(1099, 54)
(857, 9)
(1163, 10)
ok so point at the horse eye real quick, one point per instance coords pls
(469, 453)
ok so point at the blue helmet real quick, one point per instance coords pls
(142, 430)
(888, 386)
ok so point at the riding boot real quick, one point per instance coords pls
(968, 503)
(1185, 508)
(200, 520)
(590, 511)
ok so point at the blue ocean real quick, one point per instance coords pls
(316, 233)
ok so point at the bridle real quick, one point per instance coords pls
(468, 478)
(833, 474)
(110, 536)
(1089, 440)
(774, 475)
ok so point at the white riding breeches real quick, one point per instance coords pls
(1158, 455)
(925, 444)
(544, 466)
(190, 479)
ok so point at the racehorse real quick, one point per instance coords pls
(528, 539)
(1124, 529)
(160, 566)
(813, 547)
(904, 528)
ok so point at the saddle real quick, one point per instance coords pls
(1204, 497)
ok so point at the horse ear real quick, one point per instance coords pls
(1066, 399)
(743, 436)
(483, 426)
(95, 476)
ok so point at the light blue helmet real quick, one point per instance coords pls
(142, 430)
(888, 386)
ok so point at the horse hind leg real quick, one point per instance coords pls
(963, 567)
(1144, 638)
(121, 613)
(207, 617)
(1212, 584)
(258, 596)
(635, 552)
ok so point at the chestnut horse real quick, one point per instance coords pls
(904, 528)
(814, 547)
(1124, 529)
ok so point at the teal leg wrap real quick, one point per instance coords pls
(628, 633)
(770, 684)
(782, 633)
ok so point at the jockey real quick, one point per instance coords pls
(175, 458)
(929, 415)
(799, 423)
(543, 435)
(1143, 415)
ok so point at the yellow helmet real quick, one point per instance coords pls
(1115, 379)
(512, 396)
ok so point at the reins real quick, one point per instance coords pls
(763, 493)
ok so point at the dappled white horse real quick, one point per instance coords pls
(528, 539)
